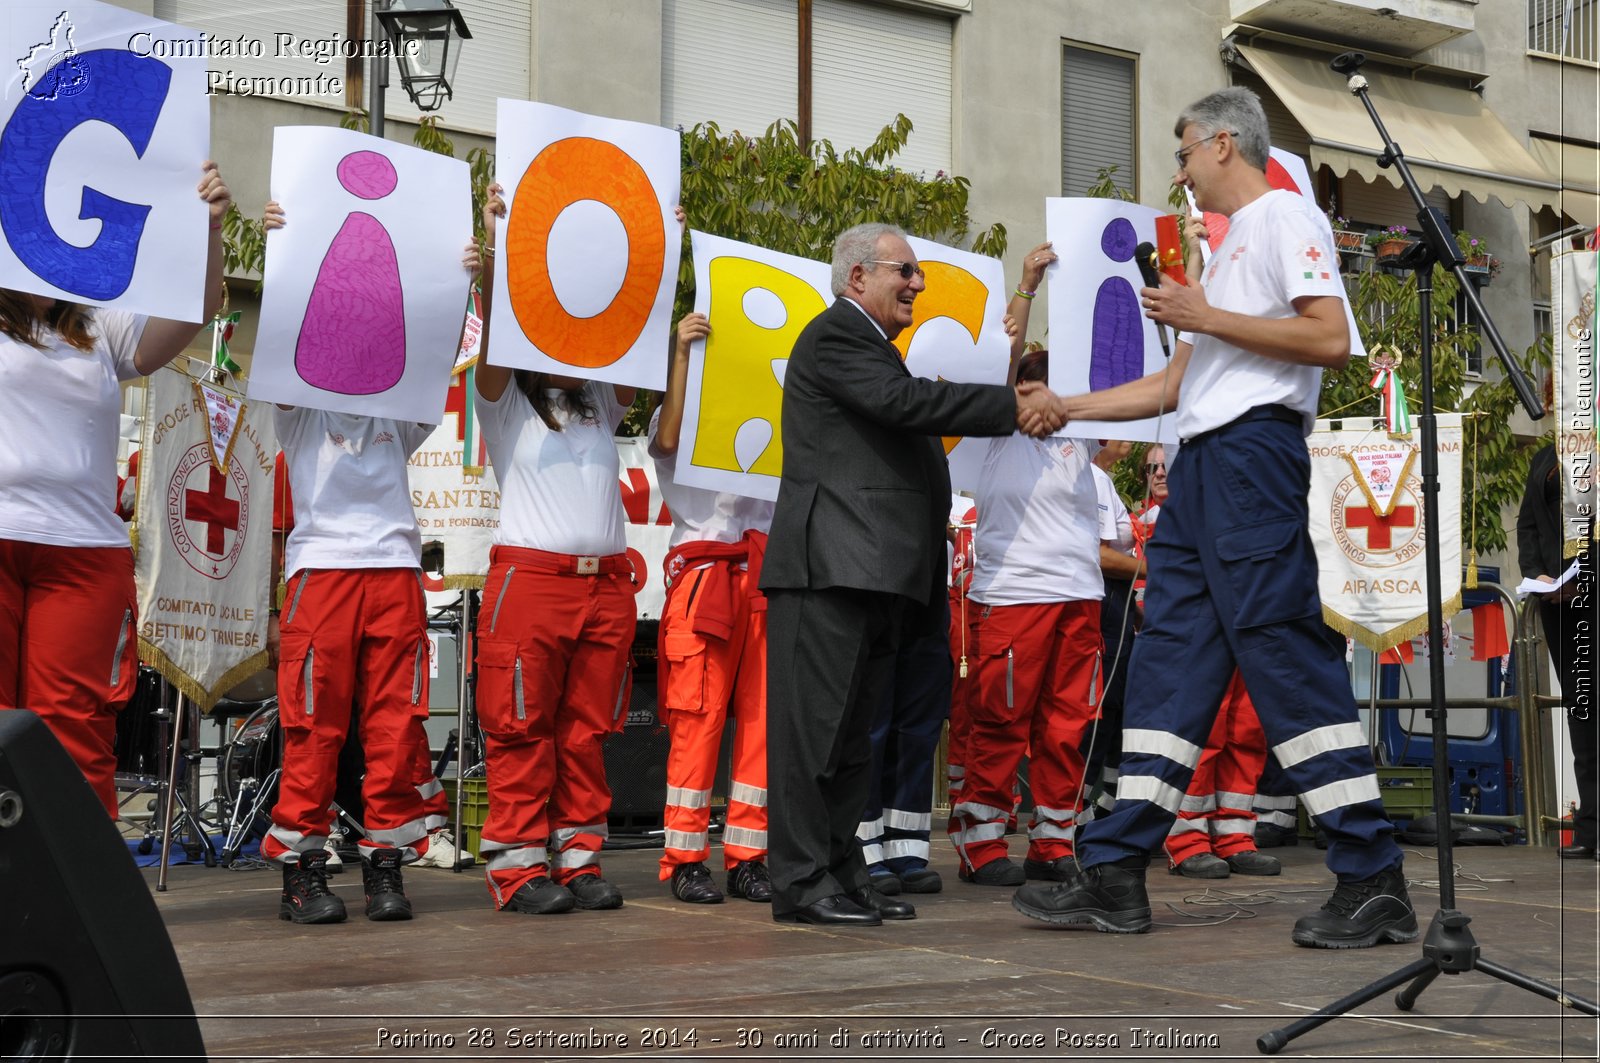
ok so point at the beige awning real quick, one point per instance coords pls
(1450, 138)
(1578, 169)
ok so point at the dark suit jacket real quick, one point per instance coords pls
(865, 494)
(1539, 538)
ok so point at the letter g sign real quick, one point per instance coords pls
(116, 87)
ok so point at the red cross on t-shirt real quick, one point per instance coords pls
(1379, 528)
(213, 507)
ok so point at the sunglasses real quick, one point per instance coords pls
(1155, 467)
(906, 269)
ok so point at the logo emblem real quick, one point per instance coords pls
(208, 512)
(1371, 540)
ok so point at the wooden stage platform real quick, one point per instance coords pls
(968, 979)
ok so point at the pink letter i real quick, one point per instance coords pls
(353, 338)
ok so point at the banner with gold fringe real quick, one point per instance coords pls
(1373, 578)
(1572, 308)
(203, 551)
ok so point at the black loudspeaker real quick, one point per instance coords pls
(636, 762)
(86, 967)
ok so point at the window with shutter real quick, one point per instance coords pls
(1099, 118)
(732, 62)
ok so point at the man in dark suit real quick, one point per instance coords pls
(855, 559)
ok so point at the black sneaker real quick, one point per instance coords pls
(594, 894)
(885, 882)
(306, 898)
(1001, 871)
(1108, 897)
(922, 880)
(691, 884)
(386, 896)
(1061, 869)
(1251, 862)
(1201, 865)
(540, 896)
(749, 879)
(1361, 914)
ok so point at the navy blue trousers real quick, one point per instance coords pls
(1233, 581)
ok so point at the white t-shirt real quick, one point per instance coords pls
(1116, 527)
(698, 514)
(352, 494)
(559, 491)
(1276, 251)
(60, 413)
(1038, 535)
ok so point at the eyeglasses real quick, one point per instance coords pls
(1155, 467)
(1182, 154)
(906, 269)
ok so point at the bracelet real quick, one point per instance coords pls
(1026, 295)
(488, 251)
(215, 226)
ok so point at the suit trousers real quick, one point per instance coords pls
(1569, 631)
(830, 659)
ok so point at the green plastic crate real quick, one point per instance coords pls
(474, 811)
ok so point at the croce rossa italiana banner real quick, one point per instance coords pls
(1367, 525)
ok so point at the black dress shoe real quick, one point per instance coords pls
(837, 910)
(1577, 852)
(871, 898)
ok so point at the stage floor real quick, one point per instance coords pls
(968, 979)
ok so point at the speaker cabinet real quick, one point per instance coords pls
(86, 967)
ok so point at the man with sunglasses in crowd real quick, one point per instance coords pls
(1233, 577)
(855, 562)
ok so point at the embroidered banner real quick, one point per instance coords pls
(1373, 579)
(1572, 308)
(202, 542)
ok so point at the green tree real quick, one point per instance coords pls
(1494, 465)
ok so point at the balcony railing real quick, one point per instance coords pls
(1565, 29)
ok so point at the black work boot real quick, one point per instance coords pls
(386, 896)
(1109, 897)
(306, 898)
(691, 883)
(1360, 914)
(749, 879)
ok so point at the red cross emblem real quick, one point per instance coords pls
(213, 508)
(218, 502)
(455, 401)
(1380, 529)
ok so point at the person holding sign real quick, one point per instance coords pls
(352, 641)
(1233, 577)
(712, 664)
(855, 560)
(69, 648)
(556, 630)
(1034, 641)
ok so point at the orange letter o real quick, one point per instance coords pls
(566, 172)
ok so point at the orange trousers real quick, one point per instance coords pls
(553, 682)
(352, 640)
(704, 682)
(68, 647)
(1034, 684)
(1218, 811)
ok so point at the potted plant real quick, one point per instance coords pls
(1346, 239)
(1390, 243)
(1480, 263)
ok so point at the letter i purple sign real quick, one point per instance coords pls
(353, 338)
(1116, 344)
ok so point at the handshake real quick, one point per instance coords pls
(1040, 411)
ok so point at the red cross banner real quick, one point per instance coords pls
(1373, 578)
(202, 541)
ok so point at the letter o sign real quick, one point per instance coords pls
(567, 172)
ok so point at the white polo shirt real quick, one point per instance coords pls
(699, 514)
(1038, 534)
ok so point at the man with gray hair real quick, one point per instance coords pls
(1233, 578)
(855, 562)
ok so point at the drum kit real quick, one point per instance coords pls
(160, 757)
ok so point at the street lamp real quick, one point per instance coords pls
(424, 37)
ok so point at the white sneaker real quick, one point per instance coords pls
(334, 864)
(442, 852)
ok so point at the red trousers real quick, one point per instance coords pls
(553, 680)
(352, 640)
(704, 680)
(68, 647)
(1034, 674)
(960, 690)
(1218, 812)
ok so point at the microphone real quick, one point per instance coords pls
(1148, 259)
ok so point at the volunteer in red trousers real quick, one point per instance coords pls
(441, 850)
(352, 640)
(1034, 644)
(68, 637)
(712, 663)
(555, 631)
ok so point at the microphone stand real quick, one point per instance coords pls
(1448, 947)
